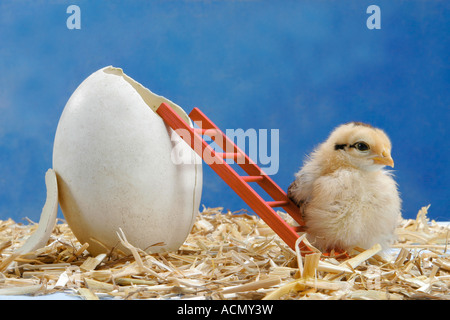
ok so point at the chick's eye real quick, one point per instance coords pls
(361, 146)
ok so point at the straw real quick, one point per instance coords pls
(229, 256)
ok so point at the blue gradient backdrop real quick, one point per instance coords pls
(299, 66)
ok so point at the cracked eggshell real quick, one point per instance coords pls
(119, 165)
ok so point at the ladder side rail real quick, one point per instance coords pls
(286, 232)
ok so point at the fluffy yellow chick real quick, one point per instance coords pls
(346, 197)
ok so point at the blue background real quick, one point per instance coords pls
(303, 67)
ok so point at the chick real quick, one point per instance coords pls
(346, 197)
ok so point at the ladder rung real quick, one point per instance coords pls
(275, 204)
(252, 178)
(299, 228)
(229, 155)
(200, 130)
(205, 131)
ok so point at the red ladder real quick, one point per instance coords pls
(240, 184)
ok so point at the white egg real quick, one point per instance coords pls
(118, 166)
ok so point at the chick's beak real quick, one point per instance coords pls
(384, 159)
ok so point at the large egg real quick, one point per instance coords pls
(118, 165)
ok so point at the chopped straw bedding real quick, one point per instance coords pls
(229, 256)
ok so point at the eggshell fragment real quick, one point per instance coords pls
(39, 238)
(47, 220)
(118, 167)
